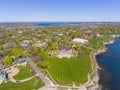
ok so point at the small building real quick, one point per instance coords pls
(25, 43)
(6, 45)
(1, 63)
(79, 40)
(3, 76)
(40, 44)
(21, 61)
(63, 52)
(99, 35)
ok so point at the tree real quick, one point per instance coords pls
(17, 52)
(87, 50)
(78, 47)
(49, 43)
(54, 39)
(39, 64)
(53, 47)
(8, 60)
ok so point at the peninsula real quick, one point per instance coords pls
(52, 57)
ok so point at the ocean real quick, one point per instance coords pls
(110, 66)
(58, 23)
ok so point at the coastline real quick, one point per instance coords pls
(96, 67)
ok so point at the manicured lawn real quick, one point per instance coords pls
(67, 71)
(95, 43)
(70, 70)
(29, 85)
(25, 72)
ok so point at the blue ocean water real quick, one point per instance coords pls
(58, 23)
(110, 64)
(44, 23)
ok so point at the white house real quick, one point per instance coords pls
(40, 44)
(20, 32)
(99, 35)
(25, 43)
(3, 76)
(63, 52)
(79, 40)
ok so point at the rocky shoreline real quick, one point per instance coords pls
(95, 79)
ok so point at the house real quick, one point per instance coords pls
(60, 34)
(40, 44)
(6, 45)
(20, 32)
(3, 76)
(99, 35)
(64, 52)
(21, 61)
(25, 43)
(47, 39)
(1, 63)
(88, 37)
(79, 40)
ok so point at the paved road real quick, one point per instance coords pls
(46, 80)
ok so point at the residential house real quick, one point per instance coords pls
(63, 52)
(99, 35)
(1, 63)
(40, 44)
(3, 76)
(21, 61)
(25, 43)
(79, 40)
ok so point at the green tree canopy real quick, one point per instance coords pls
(17, 52)
(78, 47)
(8, 60)
(53, 47)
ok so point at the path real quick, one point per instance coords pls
(60, 87)
(21, 81)
(14, 71)
(45, 79)
(81, 87)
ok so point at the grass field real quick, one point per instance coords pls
(70, 70)
(67, 71)
(29, 85)
(25, 72)
(95, 43)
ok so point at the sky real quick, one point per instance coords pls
(59, 10)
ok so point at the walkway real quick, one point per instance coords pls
(14, 71)
(45, 79)
(21, 81)
(59, 87)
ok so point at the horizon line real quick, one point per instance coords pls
(50, 21)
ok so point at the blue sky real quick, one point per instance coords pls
(59, 10)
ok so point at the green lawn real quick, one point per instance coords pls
(70, 70)
(95, 43)
(29, 85)
(25, 72)
(67, 71)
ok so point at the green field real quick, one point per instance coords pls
(67, 71)
(25, 72)
(29, 85)
(95, 43)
